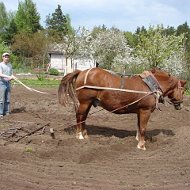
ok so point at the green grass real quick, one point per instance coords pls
(29, 150)
(46, 83)
(187, 92)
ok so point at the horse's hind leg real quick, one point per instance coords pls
(81, 116)
(138, 134)
(143, 117)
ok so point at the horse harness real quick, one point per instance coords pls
(122, 84)
(179, 88)
(146, 76)
(153, 85)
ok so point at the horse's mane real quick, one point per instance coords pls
(118, 74)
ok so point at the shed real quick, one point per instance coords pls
(59, 62)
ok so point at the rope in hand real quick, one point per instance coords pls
(28, 88)
(31, 89)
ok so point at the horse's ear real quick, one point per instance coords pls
(183, 82)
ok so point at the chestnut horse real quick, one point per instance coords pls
(119, 95)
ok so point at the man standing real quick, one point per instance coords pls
(6, 75)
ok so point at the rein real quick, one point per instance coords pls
(31, 89)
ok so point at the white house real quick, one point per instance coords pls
(59, 62)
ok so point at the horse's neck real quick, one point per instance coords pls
(167, 85)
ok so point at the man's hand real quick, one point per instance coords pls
(12, 77)
(9, 78)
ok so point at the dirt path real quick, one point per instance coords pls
(109, 159)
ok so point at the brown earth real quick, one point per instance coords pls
(109, 159)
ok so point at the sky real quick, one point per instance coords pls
(125, 15)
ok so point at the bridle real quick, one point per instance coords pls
(180, 90)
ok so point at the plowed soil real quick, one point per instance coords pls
(33, 159)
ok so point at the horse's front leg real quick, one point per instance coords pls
(81, 116)
(143, 117)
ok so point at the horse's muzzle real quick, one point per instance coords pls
(178, 106)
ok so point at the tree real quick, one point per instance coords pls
(3, 20)
(97, 29)
(32, 48)
(170, 31)
(7, 25)
(155, 49)
(184, 29)
(27, 18)
(106, 50)
(131, 38)
(83, 41)
(96, 44)
(4, 48)
(73, 45)
(58, 24)
(140, 30)
(10, 31)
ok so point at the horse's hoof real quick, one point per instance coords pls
(85, 135)
(142, 147)
(79, 136)
(137, 138)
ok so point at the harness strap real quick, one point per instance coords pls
(150, 80)
(116, 89)
(122, 82)
(179, 89)
(85, 79)
(157, 95)
(153, 85)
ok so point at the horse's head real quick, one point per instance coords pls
(171, 86)
(176, 95)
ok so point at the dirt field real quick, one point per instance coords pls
(31, 159)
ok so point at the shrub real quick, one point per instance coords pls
(41, 76)
(53, 71)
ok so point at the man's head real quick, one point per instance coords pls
(5, 54)
(5, 57)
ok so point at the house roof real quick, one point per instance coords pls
(55, 52)
(56, 49)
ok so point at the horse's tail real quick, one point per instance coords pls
(67, 89)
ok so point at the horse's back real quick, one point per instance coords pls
(98, 77)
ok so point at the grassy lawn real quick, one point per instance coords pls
(187, 92)
(46, 83)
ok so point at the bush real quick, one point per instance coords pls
(53, 71)
(41, 76)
